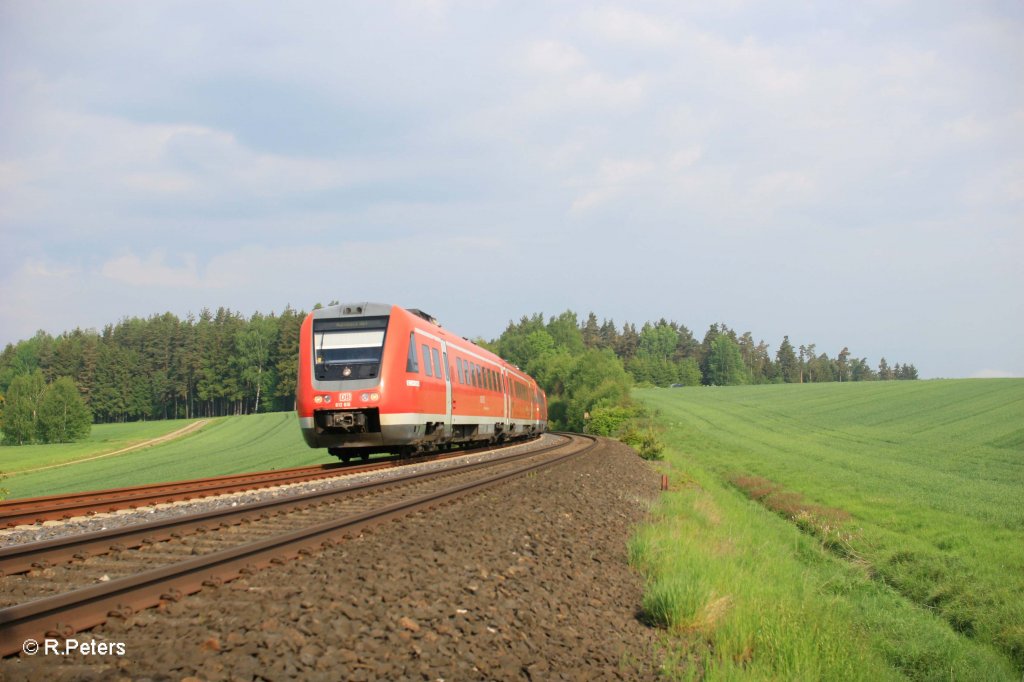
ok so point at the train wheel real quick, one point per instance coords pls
(340, 453)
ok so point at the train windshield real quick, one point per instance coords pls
(348, 348)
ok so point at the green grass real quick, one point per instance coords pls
(102, 439)
(932, 474)
(225, 446)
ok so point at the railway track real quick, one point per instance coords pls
(60, 587)
(57, 507)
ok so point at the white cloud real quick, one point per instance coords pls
(613, 179)
(552, 56)
(35, 296)
(566, 81)
(782, 186)
(629, 27)
(685, 158)
(133, 271)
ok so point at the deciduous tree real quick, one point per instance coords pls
(63, 416)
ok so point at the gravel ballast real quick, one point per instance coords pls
(528, 580)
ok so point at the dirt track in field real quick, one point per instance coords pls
(183, 431)
(526, 581)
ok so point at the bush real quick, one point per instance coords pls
(610, 421)
(630, 425)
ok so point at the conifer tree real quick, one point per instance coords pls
(591, 332)
(789, 366)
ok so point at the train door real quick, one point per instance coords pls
(506, 400)
(447, 391)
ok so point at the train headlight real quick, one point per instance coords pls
(318, 399)
(364, 397)
(375, 396)
(347, 372)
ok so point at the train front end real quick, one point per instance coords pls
(342, 377)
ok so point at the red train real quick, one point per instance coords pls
(381, 378)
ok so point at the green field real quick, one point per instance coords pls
(225, 446)
(916, 567)
(104, 438)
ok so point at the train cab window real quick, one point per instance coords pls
(348, 347)
(426, 361)
(412, 363)
(437, 364)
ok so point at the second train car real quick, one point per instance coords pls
(381, 378)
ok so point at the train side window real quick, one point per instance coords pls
(494, 380)
(458, 369)
(426, 360)
(476, 375)
(412, 362)
(447, 370)
(437, 364)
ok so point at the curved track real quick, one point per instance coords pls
(56, 507)
(236, 542)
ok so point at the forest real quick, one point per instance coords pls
(223, 363)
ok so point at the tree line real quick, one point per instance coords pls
(223, 363)
(587, 368)
(219, 363)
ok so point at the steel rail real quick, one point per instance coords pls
(55, 507)
(22, 558)
(66, 614)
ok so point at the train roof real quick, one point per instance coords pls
(370, 309)
(364, 308)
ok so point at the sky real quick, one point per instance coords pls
(847, 174)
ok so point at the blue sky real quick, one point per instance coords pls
(847, 174)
